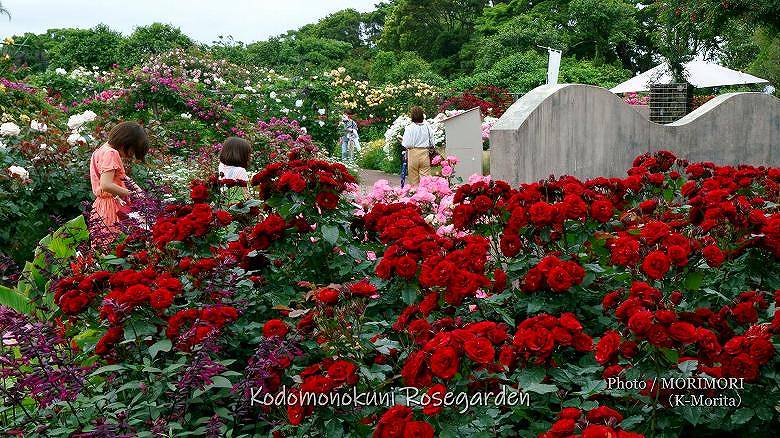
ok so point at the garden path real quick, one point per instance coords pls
(369, 177)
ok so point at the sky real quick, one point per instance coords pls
(203, 20)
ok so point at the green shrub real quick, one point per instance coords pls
(372, 155)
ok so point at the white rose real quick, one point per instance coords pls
(272, 94)
(298, 103)
(321, 123)
(19, 171)
(8, 129)
(76, 138)
(60, 71)
(38, 126)
(321, 111)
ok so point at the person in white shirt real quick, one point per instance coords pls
(417, 140)
(233, 161)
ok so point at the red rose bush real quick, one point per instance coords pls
(598, 300)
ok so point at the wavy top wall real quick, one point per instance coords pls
(586, 131)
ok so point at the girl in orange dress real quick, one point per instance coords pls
(107, 175)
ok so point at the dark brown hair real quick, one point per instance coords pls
(417, 114)
(130, 138)
(235, 152)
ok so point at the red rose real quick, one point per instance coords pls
(601, 210)
(654, 231)
(112, 336)
(532, 281)
(405, 267)
(713, 255)
(161, 299)
(445, 362)
(678, 255)
(418, 429)
(499, 281)
(648, 206)
(563, 427)
(291, 181)
(583, 342)
(317, 384)
(275, 327)
(362, 289)
(436, 394)
(539, 340)
(745, 313)
(506, 357)
(559, 279)
(542, 213)
(510, 244)
(343, 371)
(742, 365)
(682, 332)
(761, 350)
(603, 414)
(656, 265)
(625, 251)
(393, 422)
(599, 431)
(641, 322)
(628, 349)
(415, 372)
(327, 200)
(480, 350)
(607, 347)
(199, 193)
(328, 296)
(572, 413)
(224, 217)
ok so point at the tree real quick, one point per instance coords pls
(151, 40)
(393, 67)
(600, 28)
(434, 29)
(72, 48)
(343, 26)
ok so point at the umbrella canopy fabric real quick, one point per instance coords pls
(700, 74)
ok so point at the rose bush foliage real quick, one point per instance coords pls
(549, 287)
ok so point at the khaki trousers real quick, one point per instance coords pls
(418, 164)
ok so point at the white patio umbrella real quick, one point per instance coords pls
(700, 74)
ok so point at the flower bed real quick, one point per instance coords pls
(583, 295)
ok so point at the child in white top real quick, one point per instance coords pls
(233, 161)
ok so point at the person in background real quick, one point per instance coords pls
(233, 161)
(417, 141)
(349, 134)
(110, 184)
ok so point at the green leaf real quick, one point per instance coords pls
(691, 414)
(108, 369)
(330, 233)
(742, 415)
(540, 388)
(161, 345)
(530, 376)
(409, 294)
(221, 382)
(631, 421)
(693, 280)
(15, 300)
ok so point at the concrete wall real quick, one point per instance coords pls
(586, 131)
(464, 140)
